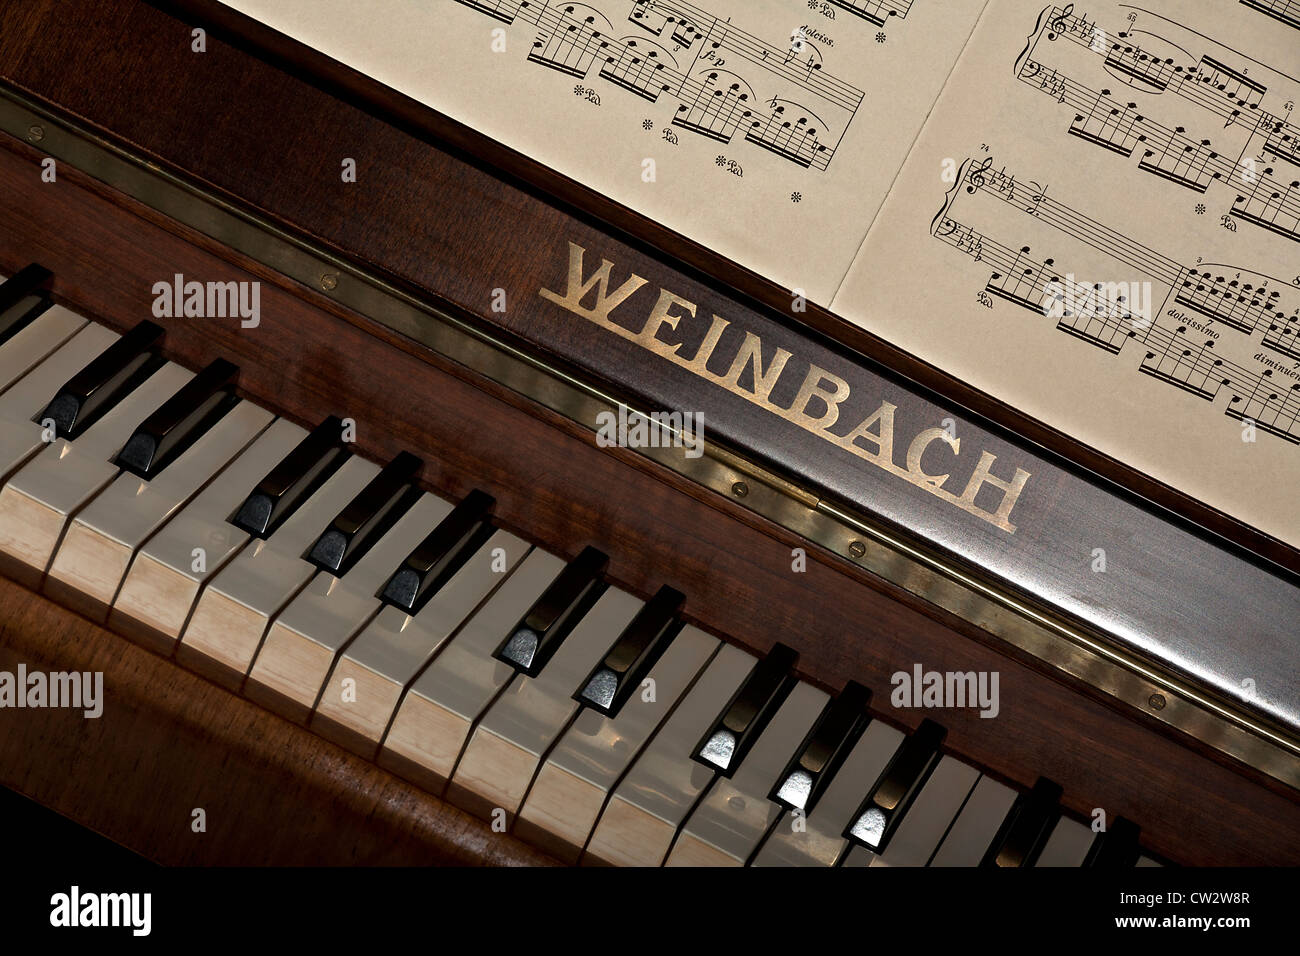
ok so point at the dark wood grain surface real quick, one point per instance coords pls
(553, 485)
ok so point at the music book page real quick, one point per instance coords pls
(1089, 211)
(1100, 226)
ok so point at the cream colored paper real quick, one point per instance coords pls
(853, 104)
(942, 268)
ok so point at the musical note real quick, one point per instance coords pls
(1193, 368)
(875, 11)
(1271, 206)
(679, 49)
(1274, 409)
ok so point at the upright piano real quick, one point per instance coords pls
(401, 531)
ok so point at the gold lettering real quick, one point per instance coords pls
(606, 302)
(812, 388)
(1011, 490)
(700, 364)
(660, 316)
(919, 444)
(818, 384)
(751, 352)
(884, 441)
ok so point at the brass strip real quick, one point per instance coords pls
(1080, 652)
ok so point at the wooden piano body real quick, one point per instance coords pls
(440, 219)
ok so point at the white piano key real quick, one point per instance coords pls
(649, 804)
(977, 825)
(235, 609)
(29, 347)
(165, 578)
(1068, 844)
(565, 800)
(858, 855)
(306, 637)
(1147, 861)
(735, 813)
(394, 647)
(36, 502)
(503, 752)
(820, 840)
(92, 559)
(931, 813)
(20, 437)
(436, 714)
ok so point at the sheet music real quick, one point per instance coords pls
(767, 130)
(1100, 225)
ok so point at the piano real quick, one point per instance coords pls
(312, 473)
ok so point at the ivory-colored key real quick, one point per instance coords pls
(436, 714)
(586, 763)
(385, 657)
(306, 637)
(503, 753)
(974, 830)
(649, 804)
(235, 609)
(91, 562)
(167, 574)
(858, 855)
(30, 346)
(1068, 844)
(36, 502)
(20, 436)
(819, 841)
(735, 813)
(925, 823)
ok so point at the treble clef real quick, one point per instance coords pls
(1059, 24)
(975, 178)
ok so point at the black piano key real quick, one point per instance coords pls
(295, 479)
(811, 769)
(1116, 848)
(532, 641)
(180, 421)
(1028, 825)
(641, 644)
(105, 380)
(367, 517)
(878, 818)
(729, 739)
(440, 555)
(25, 284)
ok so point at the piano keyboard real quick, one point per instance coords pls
(409, 629)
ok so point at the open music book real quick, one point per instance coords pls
(1089, 211)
